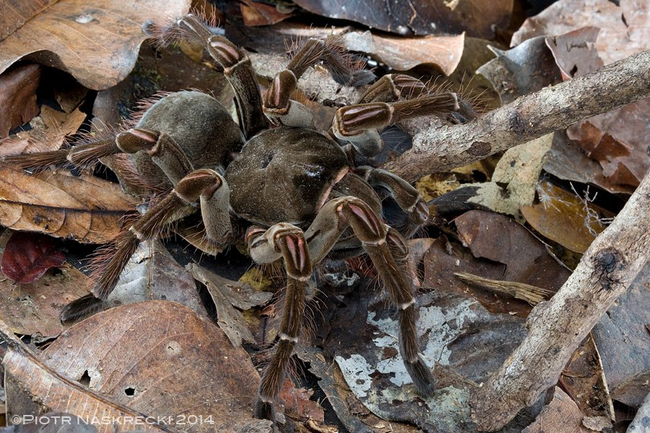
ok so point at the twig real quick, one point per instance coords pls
(529, 117)
(557, 327)
(526, 292)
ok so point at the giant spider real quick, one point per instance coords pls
(297, 189)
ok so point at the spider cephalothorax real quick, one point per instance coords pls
(294, 187)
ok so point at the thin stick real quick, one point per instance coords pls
(557, 327)
(529, 117)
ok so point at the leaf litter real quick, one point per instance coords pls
(466, 330)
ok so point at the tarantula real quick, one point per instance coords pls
(296, 188)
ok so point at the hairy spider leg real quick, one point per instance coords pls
(388, 252)
(266, 246)
(406, 196)
(237, 69)
(205, 186)
(277, 103)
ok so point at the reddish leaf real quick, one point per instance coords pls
(28, 256)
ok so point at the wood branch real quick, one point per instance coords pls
(556, 327)
(526, 292)
(529, 117)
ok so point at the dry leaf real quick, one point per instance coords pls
(560, 414)
(575, 53)
(96, 42)
(48, 132)
(34, 387)
(514, 179)
(618, 140)
(226, 295)
(405, 53)
(563, 217)
(153, 274)
(460, 341)
(18, 97)
(583, 379)
(298, 404)
(568, 161)
(500, 239)
(624, 30)
(260, 14)
(476, 17)
(521, 70)
(158, 359)
(86, 209)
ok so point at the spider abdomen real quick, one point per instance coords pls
(199, 124)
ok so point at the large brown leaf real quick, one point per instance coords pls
(155, 364)
(405, 53)
(161, 359)
(33, 388)
(86, 209)
(476, 17)
(18, 97)
(96, 42)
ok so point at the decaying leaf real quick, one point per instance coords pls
(403, 54)
(475, 17)
(226, 295)
(106, 35)
(618, 140)
(514, 179)
(560, 414)
(498, 238)
(298, 405)
(33, 309)
(18, 97)
(565, 218)
(583, 379)
(260, 14)
(521, 70)
(48, 132)
(624, 29)
(153, 274)
(512, 254)
(36, 388)
(568, 161)
(349, 410)
(575, 53)
(141, 358)
(622, 339)
(86, 209)
(460, 340)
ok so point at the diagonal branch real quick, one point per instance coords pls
(529, 117)
(557, 327)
